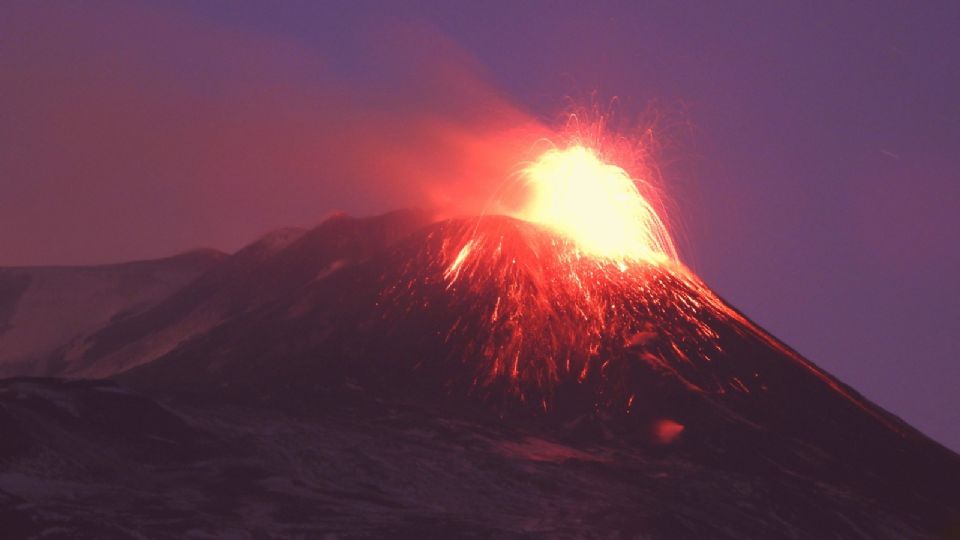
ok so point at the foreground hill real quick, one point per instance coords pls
(94, 460)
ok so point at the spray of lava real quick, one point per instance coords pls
(585, 271)
(597, 205)
(581, 285)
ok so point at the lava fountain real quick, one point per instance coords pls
(597, 204)
(582, 281)
(580, 287)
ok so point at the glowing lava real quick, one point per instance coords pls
(582, 288)
(597, 205)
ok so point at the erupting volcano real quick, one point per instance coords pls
(594, 271)
(419, 277)
(590, 287)
(559, 361)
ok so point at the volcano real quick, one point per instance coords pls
(399, 376)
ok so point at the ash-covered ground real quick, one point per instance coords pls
(94, 460)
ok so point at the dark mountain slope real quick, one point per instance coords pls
(513, 328)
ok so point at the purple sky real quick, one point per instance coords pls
(811, 152)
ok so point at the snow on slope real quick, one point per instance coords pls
(43, 308)
(257, 275)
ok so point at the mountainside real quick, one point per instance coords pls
(94, 460)
(274, 266)
(43, 308)
(473, 377)
(490, 315)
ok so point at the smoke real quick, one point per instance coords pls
(133, 131)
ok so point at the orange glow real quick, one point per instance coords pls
(595, 204)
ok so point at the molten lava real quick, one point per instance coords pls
(589, 273)
(595, 204)
(578, 295)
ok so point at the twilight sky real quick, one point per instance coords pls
(810, 152)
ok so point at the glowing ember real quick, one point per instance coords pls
(595, 204)
(666, 431)
(532, 316)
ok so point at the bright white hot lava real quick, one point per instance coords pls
(597, 205)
